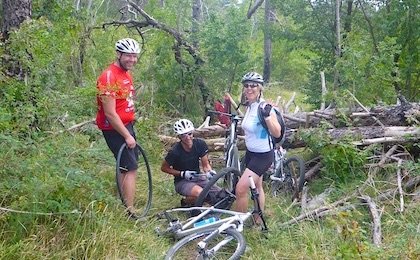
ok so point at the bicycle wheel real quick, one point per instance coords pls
(232, 161)
(293, 168)
(218, 180)
(229, 244)
(142, 200)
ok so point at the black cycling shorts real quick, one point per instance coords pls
(129, 157)
(259, 162)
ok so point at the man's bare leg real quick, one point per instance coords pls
(128, 186)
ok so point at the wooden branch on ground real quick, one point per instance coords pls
(317, 212)
(377, 230)
(296, 119)
(312, 171)
(79, 125)
(6, 210)
(304, 199)
(382, 140)
(367, 135)
(289, 103)
(408, 187)
(365, 109)
(399, 184)
(205, 123)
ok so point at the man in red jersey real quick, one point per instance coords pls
(115, 115)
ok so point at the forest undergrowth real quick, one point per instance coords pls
(59, 201)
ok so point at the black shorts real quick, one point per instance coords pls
(259, 162)
(129, 157)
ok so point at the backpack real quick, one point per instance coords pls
(275, 140)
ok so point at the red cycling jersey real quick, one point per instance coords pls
(117, 83)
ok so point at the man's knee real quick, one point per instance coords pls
(195, 191)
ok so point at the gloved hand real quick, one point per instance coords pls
(210, 174)
(189, 175)
(265, 109)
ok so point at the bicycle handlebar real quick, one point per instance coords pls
(223, 113)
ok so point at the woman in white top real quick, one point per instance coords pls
(259, 148)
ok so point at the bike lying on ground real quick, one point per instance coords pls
(141, 181)
(221, 237)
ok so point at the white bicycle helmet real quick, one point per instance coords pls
(183, 126)
(127, 45)
(253, 76)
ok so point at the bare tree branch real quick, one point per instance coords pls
(252, 10)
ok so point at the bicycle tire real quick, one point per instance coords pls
(187, 247)
(233, 161)
(137, 203)
(294, 168)
(219, 177)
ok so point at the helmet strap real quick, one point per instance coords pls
(120, 64)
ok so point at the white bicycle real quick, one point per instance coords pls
(219, 238)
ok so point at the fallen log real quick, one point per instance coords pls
(404, 114)
(376, 218)
(362, 135)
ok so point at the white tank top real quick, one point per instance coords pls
(256, 137)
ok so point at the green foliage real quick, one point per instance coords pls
(225, 46)
(52, 175)
(353, 236)
(343, 161)
(59, 187)
(31, 101)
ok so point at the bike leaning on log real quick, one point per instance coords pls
(286, 175)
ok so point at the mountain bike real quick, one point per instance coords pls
(221, 238)
(230, 149)
(141, 181)
(286, 174)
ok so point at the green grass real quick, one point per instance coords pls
(72, 176)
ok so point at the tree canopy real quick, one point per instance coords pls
(195, 51)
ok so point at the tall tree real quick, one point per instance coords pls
(14, 12)
(267, 41)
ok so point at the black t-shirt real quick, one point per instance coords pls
(182, 160)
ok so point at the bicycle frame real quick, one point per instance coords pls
(279, 158)
(288, 172)
(231, 143)
(180, 230)
(236, 220)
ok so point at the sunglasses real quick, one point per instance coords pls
(250, 85)
(183, 136)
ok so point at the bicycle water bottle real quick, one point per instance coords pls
(205, 222)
